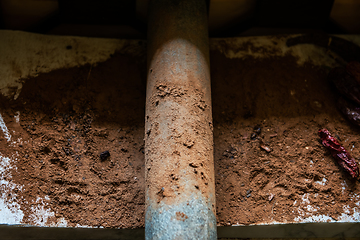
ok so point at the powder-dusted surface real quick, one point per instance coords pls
(66, 119)
(63, 120)
(269, 163)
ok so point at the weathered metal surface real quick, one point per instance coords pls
(180, 190)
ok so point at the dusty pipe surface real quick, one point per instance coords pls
(180, 187)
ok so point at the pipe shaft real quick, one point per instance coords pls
(180, 187)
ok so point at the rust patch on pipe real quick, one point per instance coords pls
(181, 216)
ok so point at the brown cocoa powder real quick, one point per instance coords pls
(68, 117)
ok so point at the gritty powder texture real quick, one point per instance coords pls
(67, 119)
(269, 163)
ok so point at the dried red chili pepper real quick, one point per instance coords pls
(341, 155)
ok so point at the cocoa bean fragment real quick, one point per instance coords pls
(104, 155)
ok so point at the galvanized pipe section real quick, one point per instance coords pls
(180, 187)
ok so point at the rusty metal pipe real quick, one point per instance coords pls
(180, 187)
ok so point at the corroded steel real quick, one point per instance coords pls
(180, 188)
